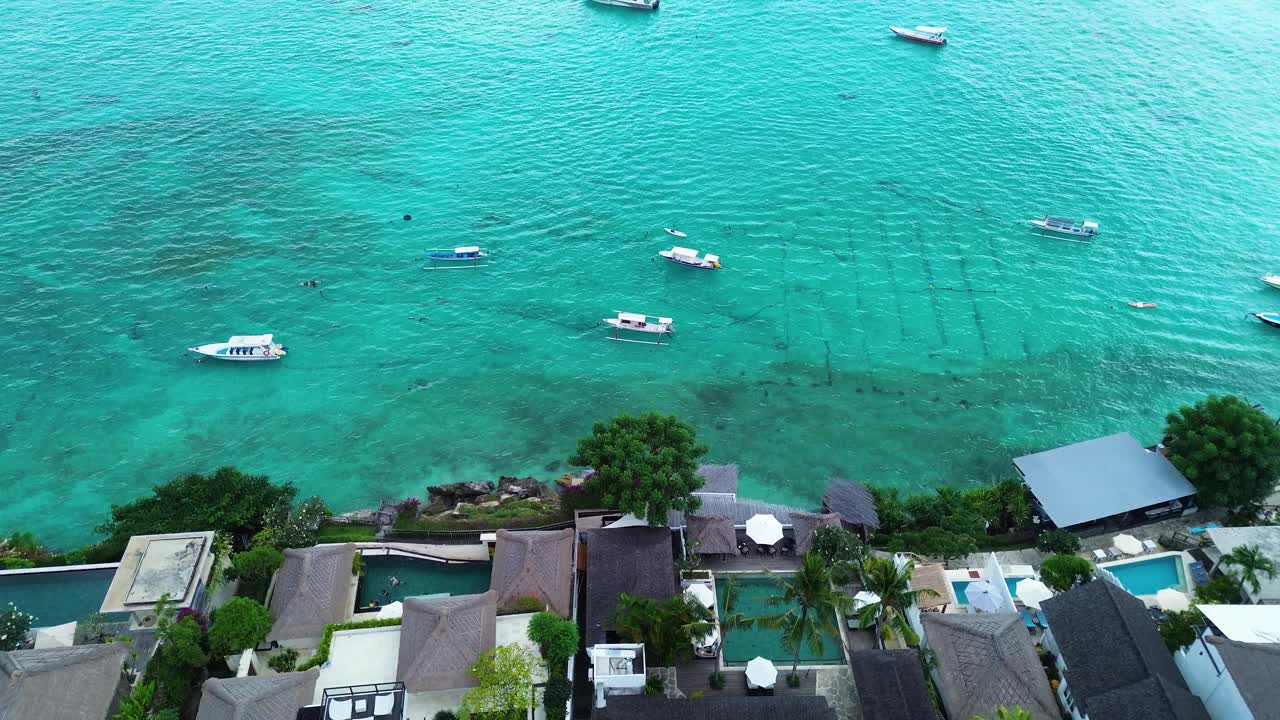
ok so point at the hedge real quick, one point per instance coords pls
(322, 652)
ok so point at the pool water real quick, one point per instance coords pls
(418, 577)
(740, 646)
(1147, 577)
(959, 585)
(56, 597)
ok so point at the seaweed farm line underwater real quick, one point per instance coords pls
(177, 174)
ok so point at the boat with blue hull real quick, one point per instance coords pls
(1269, 318)
(243, 348)
(459, 258)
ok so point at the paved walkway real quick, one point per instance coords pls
(836, 685)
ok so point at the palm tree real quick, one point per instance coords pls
(812, 605)
(730, 619)
(1250, 561)
(1004, 713)
(894, 588)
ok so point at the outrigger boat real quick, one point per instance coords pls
(1270, 318)
(243, 348)
(1272, 280)
(637, 4)
(635, 322)
(689, 258)
(922, 33)
(459, 258)
(1079, 229)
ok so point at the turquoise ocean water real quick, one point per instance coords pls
(187, 164)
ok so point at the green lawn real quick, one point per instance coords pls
(514, 514)
(345, 533)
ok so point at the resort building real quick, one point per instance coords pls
(259, 697)
(1111, 659)
(74, 683)
(986, 661)
(1266, 538)
(854, 504)
(314, 587)
(891, 685)
(1109, 482)
(1234, 666)
(634, 560)
(175, 566)
(534, 564)
(729, 707)
(440, 638)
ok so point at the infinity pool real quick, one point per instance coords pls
(740, 646)
(56, 597)
(1150, 575)
(416, 576)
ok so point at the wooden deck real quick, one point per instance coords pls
(750, 563)
(695, 676)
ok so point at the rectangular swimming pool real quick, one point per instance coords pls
(740, 646)
(57, 597)
(958, 587)
(1150, 575)
(417, 576)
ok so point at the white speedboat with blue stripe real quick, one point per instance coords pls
(689, 258)
(243, 348)
(1270, 318)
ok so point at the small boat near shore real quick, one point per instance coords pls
(1272, 280)
(677, 233)
(689, 258)
(922, 33)
(1269, 318)
(459, 258)
(1083, 229)
(635, 4)
(636, 322)
(1138, 304)
(243, 348)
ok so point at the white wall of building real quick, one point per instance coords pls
(1209, 680)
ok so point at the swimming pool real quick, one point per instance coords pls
(1150, 575)
(958, 587)
(740, 646)
(418, 576)
(56, 596)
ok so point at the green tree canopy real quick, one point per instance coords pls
(645, 465)
(1004, 713)
(893, 585)
(1179, 628)
(1063, 572)
(1249, 563)
(1220, 590)
(254, 569)
(179, 655)
(226, 500)
(506, 675)
(1229, 450)
(556, 637)
(811, 605)
(14, 625)
(1058, 542)
(666, 628)
(842, 550)
(240, 624)
(934, 542)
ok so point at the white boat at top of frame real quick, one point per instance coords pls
(689, 258)
(1272, 280)
(459, 258)
(636, 322)
(1066, 226)
(243, 348)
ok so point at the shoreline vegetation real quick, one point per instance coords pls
(646, 465)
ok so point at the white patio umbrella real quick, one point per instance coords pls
(702, 593)
(1127, 544)
(761, 672)
(764, 529)
(391, 610)
(983, 596)
(865, 598)
(1172, 600)
(1032, 592)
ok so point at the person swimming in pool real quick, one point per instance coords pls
(394, 581)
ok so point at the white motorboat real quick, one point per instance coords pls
(635, 322)
(689, 258)
(1272, 280)
(637, 4)
(243, 348)
(922, 33)
(1066, 226)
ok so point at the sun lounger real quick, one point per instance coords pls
(1027, 619)
(1040, 618)
(1150, 545)
(1198, 575)
(1100, 555)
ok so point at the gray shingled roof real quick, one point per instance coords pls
(1099, 478)
(715, 532)
(1118, 667)
(716, 707)
(719, 479)
(537, 563)
(257, 697)
(804, 525)
(441, 637)
(986, 660)
(73, 683)
(1255, 670)
(891, 685)
(852, 501)
(312, 589)
(740, 509)
(632, 560)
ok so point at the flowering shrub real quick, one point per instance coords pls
(196, 616)
(409, 505)
(14, 625)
